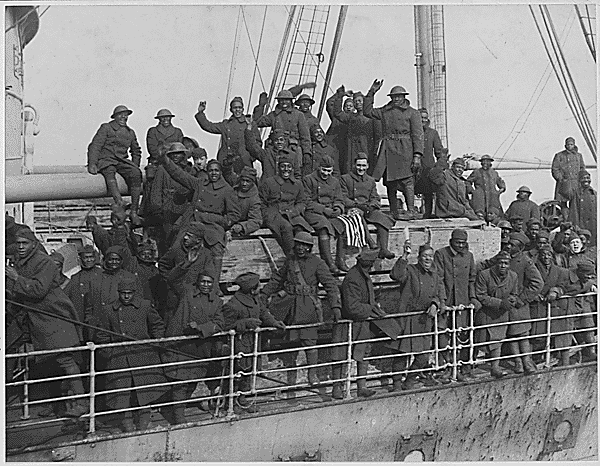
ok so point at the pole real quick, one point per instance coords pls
(286, 34)
(334, 51)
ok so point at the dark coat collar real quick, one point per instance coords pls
(114, 125)
(221, 183)
(246, 299)
(135, 302)
(252, 192)
(280, 180)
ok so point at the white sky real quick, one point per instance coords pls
(87, 59)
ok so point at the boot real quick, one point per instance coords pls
(79, 406)
(338, 387)
(393, 200)
(113, 190)
(312, 357)
(409, 194)
(384, 237)
(340, 254)
(496, 371)
(292, 377)
(428, 204)
(135, 203)
(588, 353)
(528, 365)
(565, 360)
(518, 362)
(325, 251)
(361, 371)
(398, 365)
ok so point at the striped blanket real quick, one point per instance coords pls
(355, 230)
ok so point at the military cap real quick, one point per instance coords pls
(236, 99)
(533, 221)
(396, 90)
(285, 159)
(214, 162)
(163, 112)
(26, 233)
(459, 161)
(127, 284)
(545, 247)
(247, 281)
(285, 94)
(303, 237)
(524, 189)
(583, 173)
(146, 246)
(486, 157)
(277, 133)
(570, 139)
(198, 153)
(425, 247)
(120, 109)
(518, 236)
(192, 140)
(349, 99)
(57, 257)
(304, 97)
(88, 248)
(248, 172)
(516, 216)
(586, 233)
(502, 255)
(9, 221)
(544, 234)
(205, 273)
(315, 127)
(368, 255)
(357, 94)
(459, 233)
(177, 147)
(118, 250)
(196, 229)
(504, 224)
(424, 110)
(361, 155)
(586, 266)
(326, 162)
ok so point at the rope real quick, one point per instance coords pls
(256, 67)
(232, 67)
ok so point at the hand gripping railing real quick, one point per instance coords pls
(269, 385)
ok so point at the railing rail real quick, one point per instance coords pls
(229, 393)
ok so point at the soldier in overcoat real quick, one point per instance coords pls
(359, 191)
(566, 166)
(488, 186)
(77, 290)
(283, 203)
(582, 208)
(421, 290)
(496, 289)
(523, 206)
(337, 133)
(33, 282)
(320, 149)
(163, 133)
(132, 317)
(299, 278)
(451, 198)
(249, 202)
(108, 154)
(401, 148)
(324, 204)
(584, 280)
(304, 102)
(432, 151)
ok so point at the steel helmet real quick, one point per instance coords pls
(524, 189)
(163, 112)
(121, 109)
(397, 90)
(304, 238)
(305, 97)
(177, 147)
(284, 95)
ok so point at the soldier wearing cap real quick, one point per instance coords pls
(586, 283)
(163, 132)
(566, 166)
(530, 285)
(496, 289)
(337, 133)
(582, 207)
(108, 154)
(401, 149)
(245, 312)
(576, 252)
(488, 186)
(362, 132)
(320, 149)
(299, 278)
(506, 228)
(451, 199)
(134, 318)
(232, 149)
(198, 155)
(516, 222)
(456, 265)
(324, 203)
(304, 102)
(249, 202)
(359, 191)
(283, 202)
(542, 240)
(199, 313)
(286, 118)
(153, 285)
(523, 206)
(81, 282)
(269, 156)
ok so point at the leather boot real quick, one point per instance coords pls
(384, 236)
(325, 252)
(565, 360)
(428, 204)
(589, 352)
(113, 190)
(528, 365)
(135, 203)
(312, 357)
(337, 372)
(79, 406)
(393, 200)
(398, 365)
(340, 254)
(361, 371)
(409, 194)
(518, 362)
(292, 377)
(496, 371)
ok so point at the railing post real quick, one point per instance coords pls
(255, 357)
(548, 332)
(471, 335)
(230, 411)
(454, 345)
(436, 342)
(26, 389)
(92, 347)
(348, 374)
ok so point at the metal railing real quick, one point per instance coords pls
(229, 393)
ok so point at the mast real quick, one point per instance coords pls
(430, 63)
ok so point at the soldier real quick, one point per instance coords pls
(132, 317)
(163, 133)
(300, 277)
(506, 228)
(542, 240)
(451, 199)
(33, 282)
(530, 285)
(360, 192)
(432, 148)
(249, 202)
(200, 313)
(108, 155)
(232, 150)
(103, 239)
(566, 166)
(523, 206)
(283, 203)
(582, 208)
(496, 289)
(304, 103)
(286, 118)
(154, 287)
(337, 133)
(576, 253)
(269, 156)
(586, 283)
(324, 204)
(402, 147)
(456, 265)
(198, 155)
(488, 186)
(533, 230)
(245, 312)
(320, 149)
(516, 222)
(214, 205)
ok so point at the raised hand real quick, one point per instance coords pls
(202, 106)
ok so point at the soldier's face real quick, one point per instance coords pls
(285, 103)
(349, 106)
(397, 99)
(505, 232)
(517, 224)
(514, 247)
(165, 121)
(546, 257)
(113, 262)
(458, 169)
(318, 135)
(585, 181)
(285, 170)
(279, 143)
(214, 172)
(542, 241)
(245, 184)
(522, 195)
(570, 144)
(87, 260)
(205, 284)
(201, 162)
(121, 118)
(502, 266)
(325, 172)
(237, 109)
(459, 245)
(534, 231)
(126, 296)
(190, 240)
(425, 119)
(146, 255)
(177, 157)
(486, 164)
(575, 245)
(361, 166)
(301, 250)
(358, 102)
(24, 246)
(426, 259)
(304, 105)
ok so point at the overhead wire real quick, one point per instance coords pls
(257, 54)
(233, 60)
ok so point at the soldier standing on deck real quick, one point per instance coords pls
(432, 148)
(163, 133)
(566, 166)
(304, 103)
(401, 148)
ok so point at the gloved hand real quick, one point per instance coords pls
(512, 299)
(377, 311)
(263, 99)
(337, 314)
(432, 310)
(416, 166)
(476, 304)
(279, 324)
(92, 169)
(519, 302)
(505, 306)
(552, 295)
(566, 226)
(243, 325)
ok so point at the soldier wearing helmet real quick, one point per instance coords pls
(108, 154)
(163, 133)
(401, 148)
(523, 206)
(304, 102)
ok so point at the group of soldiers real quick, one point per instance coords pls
(166, 283)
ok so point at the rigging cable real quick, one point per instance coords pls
(255, 55)
(232, 67)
